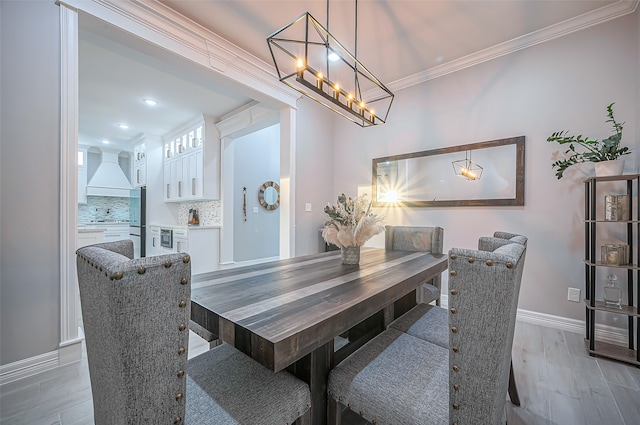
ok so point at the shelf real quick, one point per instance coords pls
(613, 221)
(622, 266)
(612, 351)
(626, 310)
(624, 177)
(594, 216)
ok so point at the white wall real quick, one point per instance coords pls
(29, 180)
(561, 84)
(257, 160)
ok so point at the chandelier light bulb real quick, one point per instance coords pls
(468, 174)
(319, 81)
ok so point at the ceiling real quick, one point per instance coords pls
(397, 39)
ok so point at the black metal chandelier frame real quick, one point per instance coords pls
(313, 83)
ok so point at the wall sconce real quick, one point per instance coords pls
(466, 168)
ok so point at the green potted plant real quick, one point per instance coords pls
(601, 152)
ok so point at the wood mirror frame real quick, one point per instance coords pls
(267, 205)
(502, 182)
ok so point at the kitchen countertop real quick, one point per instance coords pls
(183, 226)
(104, 223)
(91, 229)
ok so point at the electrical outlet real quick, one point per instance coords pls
(573, 295)
(307, 207)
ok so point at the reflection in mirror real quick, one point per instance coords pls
(433, 178)
(269, 195)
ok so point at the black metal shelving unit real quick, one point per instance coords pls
(630, 353)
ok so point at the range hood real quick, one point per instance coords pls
(109, 179)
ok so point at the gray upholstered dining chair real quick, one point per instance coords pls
(431, 323)
(400, 378)
(418, 238)
(136, 314)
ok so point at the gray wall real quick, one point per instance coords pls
(562, 84)
(314, 173)
(257, 160)
(29, 180)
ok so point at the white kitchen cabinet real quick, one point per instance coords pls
(82, 176)
(204, 249)
(153, 241)
(139, 165)
(192, 162)
(115, 232)
(181, 240)
(90, 237)
(171, 180)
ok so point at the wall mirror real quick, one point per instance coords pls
(269, 195)
(438, 178)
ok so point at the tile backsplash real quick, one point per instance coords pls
(209, 212)
(103, 208)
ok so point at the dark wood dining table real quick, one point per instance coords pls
(306, 314)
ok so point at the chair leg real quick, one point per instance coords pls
(513, 389)
(304, 419)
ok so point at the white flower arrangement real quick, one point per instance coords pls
(352, 222)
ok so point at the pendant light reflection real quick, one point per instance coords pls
(466, 168)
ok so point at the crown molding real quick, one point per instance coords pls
(161, 25)
(586, 20)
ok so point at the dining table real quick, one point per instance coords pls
(306, 314)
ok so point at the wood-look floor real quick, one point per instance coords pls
(557, 380)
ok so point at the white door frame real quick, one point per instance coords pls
(162, 26)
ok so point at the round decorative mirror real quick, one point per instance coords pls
(269, 195)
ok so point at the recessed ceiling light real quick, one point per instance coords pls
(124, 126)
(106, 142)
(333, 56)
(150, 102)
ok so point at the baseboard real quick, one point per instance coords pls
(69, 352)
(603, 332)
(28, 367)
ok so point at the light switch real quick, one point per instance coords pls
(307, 207)
(255, 210)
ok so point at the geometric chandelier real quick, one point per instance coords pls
(310, 60)
(466, 168)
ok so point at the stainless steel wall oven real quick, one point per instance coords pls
(166, 238)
